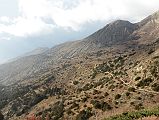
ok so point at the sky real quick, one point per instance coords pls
(28, 24)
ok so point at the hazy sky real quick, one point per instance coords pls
(28, 24)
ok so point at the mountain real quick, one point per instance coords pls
(113, 33)
(36, 51)
(149, 28)
(114, 70)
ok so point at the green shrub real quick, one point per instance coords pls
(155, 87)
(93, 75)
(84, 114)
(57, 110)
(154, 70)
(101, 105)
(74, 105)
(127, 93)
(117, 96)
(75, 82)
(105, 67)
(137, 78)
(84, 99)
(1, 116)
(87, 86)
(145, 82)
(151, 51)
(131, 89)
(69, 111)
(105, 106)
(139, 106)
(106, 94)
(135, 115)
(139, 98)
(111, 87)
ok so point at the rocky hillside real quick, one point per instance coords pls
(113, 71)
(112, 34)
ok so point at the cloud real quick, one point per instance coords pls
(25, 27)
(73, 14)
(5, 19)
(45, 16)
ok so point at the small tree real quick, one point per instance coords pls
(1, 116)
(117, 96)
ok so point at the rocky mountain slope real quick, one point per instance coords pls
(114, 33)
(112, 71)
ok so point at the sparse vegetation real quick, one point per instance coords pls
(75, 82)
(101, 105)
(1, 116)
(127, 93)
(117, 96)
(137, 78)
(155, 87)
(135, 115)
(131, 89)
(151, 51)
(84, 114)
(145, 82)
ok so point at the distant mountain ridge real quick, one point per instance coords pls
(36, 51)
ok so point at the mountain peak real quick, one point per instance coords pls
(120, 22)
(116, 31)
(151, 19)
(155, 15)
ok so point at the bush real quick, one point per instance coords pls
(155, 87)
(1, 116)
(57, 110)
(139, 106)
(145, 82)
(69, 111)
(101, 105)
(135, 115)
(127, 93)
(74, 105)
(103, 68)
(97, 104)
(49, 79)
(93, 75)
(137, 78)
(139, 98)
(36, 99)
(154, 70)
(111, 87)
(117, 96)
(131, 89)
(75, 82)
(84, 99)
(105, 106)
(87, 86)
(151, 51)
(106, 94)
(84, 114)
